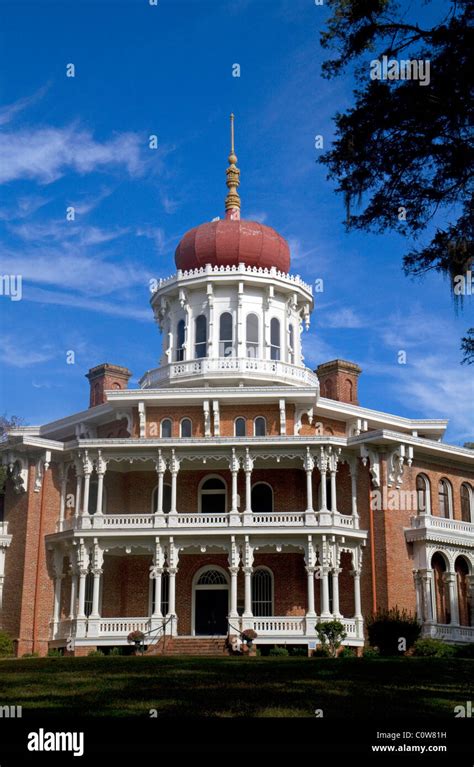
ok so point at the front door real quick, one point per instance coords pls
(211, 611)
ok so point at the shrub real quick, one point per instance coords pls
(279, 652)
(115, 651)
(54, 652)
(434, 648)
(6, 645)
(347, 652)
(331, 634)
(30, 655)
(321, 652)
(370, 652)
(95, 654)
(465, 651)
(300, 651)
(387, 627)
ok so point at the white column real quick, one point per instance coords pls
(174, 468)
(248, 592)
(357, 599)
(172, 571)
(62, 501)
(101, 467)
(240, 329)
(234, 571)
(72, 603)
(325, 613)
(173, 555)
(234, 466)
(333, 491)
(157, 578)
(451, 581)
(82, 593)
(58, 577)
(427, 596)
(248, 468)
(353, 466)
(335, 592)
(418, 595)
(87, 479)
(97, 572)
(311, 612)
(79, 476)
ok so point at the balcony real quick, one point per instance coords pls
(256, 370)
(184, 522)
(270, 629)
(427, 527)
(448, 633)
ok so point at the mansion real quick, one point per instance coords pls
(235, 488)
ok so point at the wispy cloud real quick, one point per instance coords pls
(47, 153)
(17, 355)
(10, 111)
(345, 318)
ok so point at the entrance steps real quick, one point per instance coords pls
(211, 646)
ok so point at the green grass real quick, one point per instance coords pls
(234, 687)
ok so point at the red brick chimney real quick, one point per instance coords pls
(104, 377)
(338, 380)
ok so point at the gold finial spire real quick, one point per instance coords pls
(232, 201)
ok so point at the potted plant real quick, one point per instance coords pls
(137, 638)
(248, 635)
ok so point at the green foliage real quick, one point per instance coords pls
(115, 651)
(465, 651)
(279, 652)
(54, 652)
(321, 652)
(402, 145)
(301, 651)
(95, 654)
(387, 627)
(30, 655)
(331, 634)
(347, 652)
(6, 645)
(370, 653)
(434, 648)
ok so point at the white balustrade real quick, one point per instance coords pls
(450, 633)
(202, 520)
(122, 626)
(284, 519)
(441, 523)
(279, 625)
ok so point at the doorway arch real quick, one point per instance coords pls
(210, 601)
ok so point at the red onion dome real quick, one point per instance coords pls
(230, 242)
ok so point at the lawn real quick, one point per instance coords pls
(234, 687)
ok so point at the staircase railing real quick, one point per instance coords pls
(157, 632)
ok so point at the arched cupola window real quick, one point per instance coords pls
(275, 339)
(180, 333)
(226, 336)
(252, 335)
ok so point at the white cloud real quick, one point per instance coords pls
(119, 308)
(259, 216)
(14, 355)
(47, 153)
(10, 111)
(340, 318)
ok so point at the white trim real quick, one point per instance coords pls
(449, 488)
(427, 482)
(185, 418)
(470, 500)
(272, 577)
(155, 491)
(166, 418)
(205, 587)
(237, 418)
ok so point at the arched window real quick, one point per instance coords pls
(180, 341)
(200, 345)
(466, 503)
(329, 389)
(88, 594)
(213, 496)
(166, 499)
(291, 344)
(445, 499)
(262, 498)
(275, 339)
(349, 389)
(240, 427)
(226, 342)
(165, 428)
(259, 427)
(212, 578)
(186, 427)
(262, 592)
(423, 494)
(252, 335)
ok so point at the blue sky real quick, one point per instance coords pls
(83, 141)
